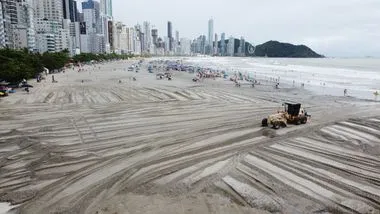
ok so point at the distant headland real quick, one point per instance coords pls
(270, 49)
(279, 49)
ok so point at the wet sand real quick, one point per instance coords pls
(158, 146)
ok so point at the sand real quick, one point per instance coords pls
(159, 146)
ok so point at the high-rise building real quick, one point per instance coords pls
(108, 8)
(177, 36)
(49, 9)
(185, 47)
(91, 15)
(160, 51)
(80, 17)
(50, 36)
(216, 44)
(2, 29)
(137, 42)
(17, 25)
(131, 37)
(203, 44)
(93, 28)
(200, 45)
(231, 46)
(177, 43)
(105, 8)
(120, 38)
(167, 44)
(210, 32)
(223, 44)
(74, 36)
(139, 39)
(155, 37)
(57, 26)
(242, 47)
(70, 10)
(109, 40)
(147, 37)
(71, 24)
(170, 37)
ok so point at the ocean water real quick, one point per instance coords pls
(328, 76)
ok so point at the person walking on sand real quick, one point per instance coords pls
(52, 79)
(345, 92)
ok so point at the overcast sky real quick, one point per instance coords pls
(342, 28)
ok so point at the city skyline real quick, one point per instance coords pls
(332, 28)
(90, 26)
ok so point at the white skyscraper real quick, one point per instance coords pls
(48, 9)
(147, 37)
(210, 33)
(177, 43)
(167, 44)
(105, 8)
(55, 27)
(31, 33)
(2, 29)
(74, 35)
(50, 36)
(120, 37)
(216, 44)
(131, 36)
(231, 46)
(16, 27)
(223, 45)
(137, 44)
(185, 47)
(108, 8)
(92, 38)
(242, 47)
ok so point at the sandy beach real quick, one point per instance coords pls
(89, 144)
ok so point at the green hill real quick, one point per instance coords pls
(278, 49)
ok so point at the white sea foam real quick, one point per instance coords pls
(361, 77)
(5, 208)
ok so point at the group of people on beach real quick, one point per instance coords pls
(345, 92)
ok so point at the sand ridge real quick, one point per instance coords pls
(142, 146)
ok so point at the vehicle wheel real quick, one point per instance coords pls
(264, 122)
(276, 125)
(298, 122)
(304, 120)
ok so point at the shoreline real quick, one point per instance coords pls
(318, 81)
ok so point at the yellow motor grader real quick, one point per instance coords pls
(292, 114)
